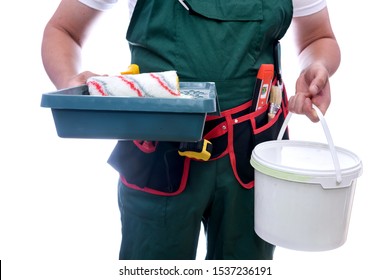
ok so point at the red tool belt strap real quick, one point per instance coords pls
(157, 168)
(237, 131)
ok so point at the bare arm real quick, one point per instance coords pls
(319, 57)
(62, 43)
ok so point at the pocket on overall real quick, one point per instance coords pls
(153, 167)
(262, 129)
(231, 10)
(212, 22)
(239, 131)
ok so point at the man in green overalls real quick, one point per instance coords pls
(220, 41)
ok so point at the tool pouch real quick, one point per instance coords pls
(237, 131)
(157, 167)
(153, 167)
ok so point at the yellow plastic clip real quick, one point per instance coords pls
(197, 150)
(131, 70)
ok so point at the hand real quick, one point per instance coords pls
(312, 87)
(81, 79)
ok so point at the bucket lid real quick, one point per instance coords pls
(306, 162)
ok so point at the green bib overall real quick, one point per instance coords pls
(203, 40)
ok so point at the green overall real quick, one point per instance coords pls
(203, 40)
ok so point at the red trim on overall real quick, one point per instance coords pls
(146, 146)
(227, 126)
(231, 111)
(284, 107)
(181, 188)
(230, 147)
(264, 127)
(217, 131)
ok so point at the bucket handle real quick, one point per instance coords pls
(328, 138)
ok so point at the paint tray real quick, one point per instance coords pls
(77, 114)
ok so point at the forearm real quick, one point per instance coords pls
(316, 42)
(61, 56)
(319, 57)
(324, 51)
(62, 42)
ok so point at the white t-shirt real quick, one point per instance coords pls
(301, 7)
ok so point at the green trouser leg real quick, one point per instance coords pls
(162, 227)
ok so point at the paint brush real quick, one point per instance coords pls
(275, 101)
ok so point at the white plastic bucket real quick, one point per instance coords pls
(304, 192)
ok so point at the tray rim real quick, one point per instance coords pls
(77, 98)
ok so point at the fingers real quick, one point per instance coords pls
(312, 87)
(318, 83)
(81, 78)
(300, 104)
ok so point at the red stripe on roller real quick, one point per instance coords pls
(163, 85)
(98, 87)
(131, 85)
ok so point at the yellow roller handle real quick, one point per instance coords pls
(131, 70)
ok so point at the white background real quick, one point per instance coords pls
(58, 210)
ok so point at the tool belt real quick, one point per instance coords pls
(157, 167)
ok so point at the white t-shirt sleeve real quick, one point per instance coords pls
(301, 7)
(307, 7)
(100, 5)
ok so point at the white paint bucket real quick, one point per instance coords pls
(304, 192)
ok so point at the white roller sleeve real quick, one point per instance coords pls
(158, 84)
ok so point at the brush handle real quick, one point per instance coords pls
(275, 101)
